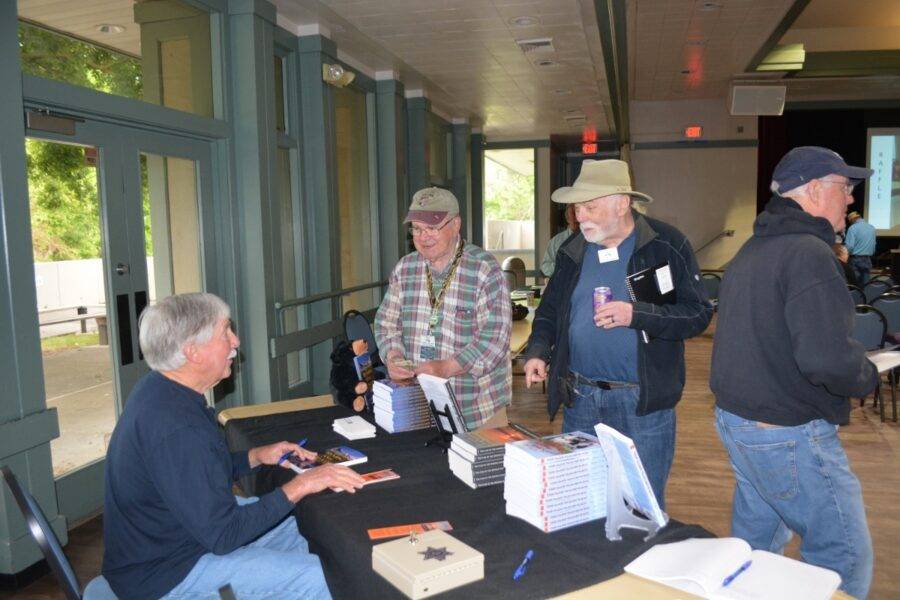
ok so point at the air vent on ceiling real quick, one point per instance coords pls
(536, 45)
(573, 119)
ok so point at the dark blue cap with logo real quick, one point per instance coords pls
(805, 163)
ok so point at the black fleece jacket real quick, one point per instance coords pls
(661, 361)
(783, 352)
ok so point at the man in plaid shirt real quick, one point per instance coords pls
(447, 313)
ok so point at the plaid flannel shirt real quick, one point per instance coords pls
(476, 320)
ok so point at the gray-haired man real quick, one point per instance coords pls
(783, 365)
(171, 526)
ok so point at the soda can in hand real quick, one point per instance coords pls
(602, 295)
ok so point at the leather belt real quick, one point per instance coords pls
(575, 378)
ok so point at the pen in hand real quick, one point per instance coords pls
(522, 567)
(287, 455)
(727, 581)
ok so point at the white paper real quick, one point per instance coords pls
(885, 361)
(664, 279)
(608, 255)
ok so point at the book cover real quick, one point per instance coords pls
(340, 455)
(439, 393)
(495, 438)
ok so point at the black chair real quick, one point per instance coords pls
(712, 281)
(889, 305)
(870, 330)
(97, 589)
(856, 294)
(875, 288)
(357, 327)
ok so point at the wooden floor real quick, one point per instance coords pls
(699, 489)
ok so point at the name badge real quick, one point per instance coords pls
(429, 348)
(608, 255)
(664, 280)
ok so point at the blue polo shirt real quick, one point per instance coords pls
(168, 498)
(598, 353)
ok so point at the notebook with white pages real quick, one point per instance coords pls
(727, 568)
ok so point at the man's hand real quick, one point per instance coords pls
(336, 477)
(613, 314)
(535, 371)
(446, 368)
(398, 367)
(269, 455)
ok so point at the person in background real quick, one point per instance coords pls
(601, 368)
(860, 242)
(447, 313)
(843, 257)
(549, 261)
(171, 526)
(785, 363)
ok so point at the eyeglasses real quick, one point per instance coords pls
(417, 231)
(848, 186)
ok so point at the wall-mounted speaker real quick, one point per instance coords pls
(757, 100)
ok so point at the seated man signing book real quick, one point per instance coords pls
(447, 313)
(625, 294)
(171, 526)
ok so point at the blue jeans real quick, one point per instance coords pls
(278, 565)
(862, 267)
(653, 434)
(798, 479)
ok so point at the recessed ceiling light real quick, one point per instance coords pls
(546, 63)
(709, 6)
(561, 92)
(523, 21)
(110, 29)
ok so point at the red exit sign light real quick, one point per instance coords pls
(693, 132)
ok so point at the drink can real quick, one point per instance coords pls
(602, 295)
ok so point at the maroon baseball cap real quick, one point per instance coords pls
(431, 206)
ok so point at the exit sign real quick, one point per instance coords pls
(693, 131)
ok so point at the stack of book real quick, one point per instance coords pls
(400, 406)
(354, 428)
(557, 481)
(476, 457)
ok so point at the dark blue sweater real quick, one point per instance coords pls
(168, 498)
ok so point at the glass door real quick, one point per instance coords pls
(119, 219)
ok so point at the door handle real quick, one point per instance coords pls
(122, 269)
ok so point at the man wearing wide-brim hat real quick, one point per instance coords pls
(620, 362)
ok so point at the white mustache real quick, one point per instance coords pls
(233, 353)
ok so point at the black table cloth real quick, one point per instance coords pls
(336, 524)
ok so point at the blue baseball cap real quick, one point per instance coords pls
(805, 163)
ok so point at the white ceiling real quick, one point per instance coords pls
(465, 57)
(462, 54)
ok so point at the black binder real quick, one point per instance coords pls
(643, 286)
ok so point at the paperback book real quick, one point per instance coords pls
(340, 455)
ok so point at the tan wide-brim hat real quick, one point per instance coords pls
(599, 178)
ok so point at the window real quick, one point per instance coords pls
(153, 51)
(509, 201)
(357, 219)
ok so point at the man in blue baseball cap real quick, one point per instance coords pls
(784, 365)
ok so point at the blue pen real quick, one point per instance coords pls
(521, 570)
(287, 455)
(727, 581)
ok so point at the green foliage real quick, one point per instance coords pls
(65, 210)
(53, 56)
(509, 196)
(62, 183)
(71, 340)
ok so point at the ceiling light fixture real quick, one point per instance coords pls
(336, 75)
(686, 71)
(523, 21)
(562, 92)
(709, 6)
(110, 29)
(546, 63)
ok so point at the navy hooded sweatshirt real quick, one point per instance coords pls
(783, 352)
